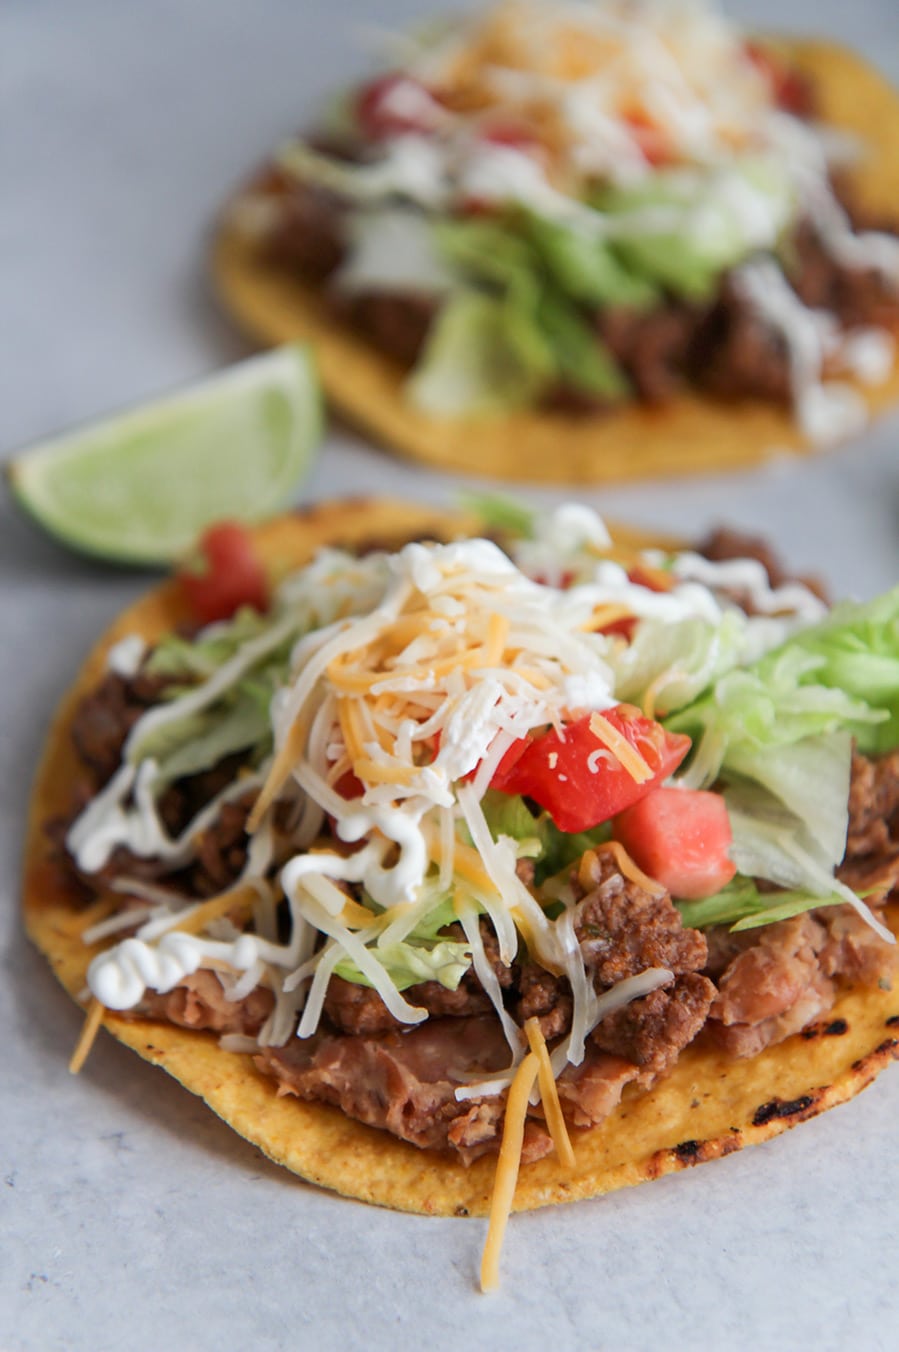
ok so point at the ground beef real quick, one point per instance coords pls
(546, 998)
(651, 346)
(221, 849)
(106, 715)
(737, 355)
(857, 296)
(723, 544)
(309, 236)
(396, 325)
(653, 1031)
(623, 929)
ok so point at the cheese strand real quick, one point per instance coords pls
(507, 1168)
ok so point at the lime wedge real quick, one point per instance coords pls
(139, 487)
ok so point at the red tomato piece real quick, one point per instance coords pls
(680, 837)
(225, 574)
(789, 89)
(578, 780)
(392, 105)
(652, 141)
(515, 135)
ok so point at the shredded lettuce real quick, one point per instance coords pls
(200, 741)
(586, 268)
(742, 906)
(690, 654)
(779, 700)
(425, 955)
(508, 814)
(501, 514)
(509, 334)
(682, 228)
(186, 659)
(478, 360)
(410, 962)
(857, 651)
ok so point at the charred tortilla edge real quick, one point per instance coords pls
(708, 1107)
(690, 435)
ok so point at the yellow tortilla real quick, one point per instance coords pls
(709, 1106)
(690, 435)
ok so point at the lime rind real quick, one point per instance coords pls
(140, 486)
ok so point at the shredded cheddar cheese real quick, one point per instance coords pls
(507, 1168)
(628, 868)
(549, 1093)
(241, 898)
(91, 1027)
(621, 749)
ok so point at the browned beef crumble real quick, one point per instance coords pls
(652, 347)
(396, 325)
(309, 236)
(104, 718)
(623, 929)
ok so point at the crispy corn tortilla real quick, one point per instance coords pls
(709, 1106)
(690, 435)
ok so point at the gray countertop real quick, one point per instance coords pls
(130, 1217)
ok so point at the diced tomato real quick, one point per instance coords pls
(788, 88)
(515, 135)
(392, 105)
(653, 579)
(680, 837)
(653, 143)
(349, 785)
(623, 628)
(225, 574)
(578, 780)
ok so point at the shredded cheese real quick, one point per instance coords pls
(507, 1168)
(549, 1093)
(629, 758)
(628, 868)
(91, 1027)
(241, 898)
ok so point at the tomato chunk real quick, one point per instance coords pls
(392, 105)
(225, 574)
(789, 89)
(680, 837)
(578, 780)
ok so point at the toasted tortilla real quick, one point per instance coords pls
(692, 434)
(709, 1106)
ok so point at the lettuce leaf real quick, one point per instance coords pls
(508, 335)
(705, 222)
(689, 654)
(586, 268)
(857, 651)
(409, 963)
(479, 360)
(779, 700)
(742, 906)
